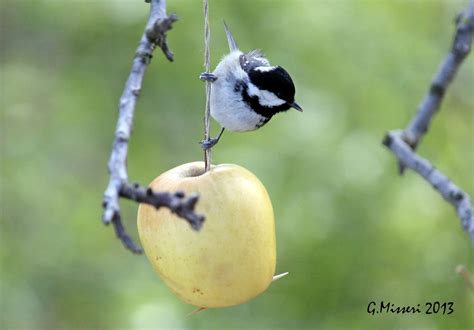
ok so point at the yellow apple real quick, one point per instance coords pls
(232, 258)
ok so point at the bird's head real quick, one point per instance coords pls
(276, 85)
(270, 88)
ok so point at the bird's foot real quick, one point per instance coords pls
(207, 76)
(208, 144)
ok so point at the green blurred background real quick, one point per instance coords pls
(349, 229)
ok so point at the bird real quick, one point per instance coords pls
(247, 91)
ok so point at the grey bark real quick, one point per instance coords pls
(154, 35)
(403, 143)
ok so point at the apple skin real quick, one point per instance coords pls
(232, 258)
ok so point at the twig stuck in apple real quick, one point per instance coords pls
(277, 277)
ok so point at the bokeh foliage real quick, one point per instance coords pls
(349, 230)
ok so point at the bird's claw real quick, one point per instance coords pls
(207, 76)
(208, 144)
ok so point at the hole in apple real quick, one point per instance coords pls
(194, 172)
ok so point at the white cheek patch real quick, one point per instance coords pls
(265, 68)
(265, 98)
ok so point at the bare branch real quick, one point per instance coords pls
(432, 100)
(155, 35)
(403, 143)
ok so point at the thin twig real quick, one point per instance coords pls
(207, 65)
(466, 275)
(403, 143)
(279, 276)
(198, 310)
(154, 35)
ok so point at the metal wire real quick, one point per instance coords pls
(207, 64)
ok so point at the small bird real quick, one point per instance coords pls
(247, 91)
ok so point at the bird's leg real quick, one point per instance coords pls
(208, 76)
(208, 144)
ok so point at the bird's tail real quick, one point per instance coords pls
(230, 39)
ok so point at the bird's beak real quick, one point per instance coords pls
(295, 105)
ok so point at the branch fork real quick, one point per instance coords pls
(403, 143)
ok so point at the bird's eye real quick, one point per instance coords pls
(243, 61)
